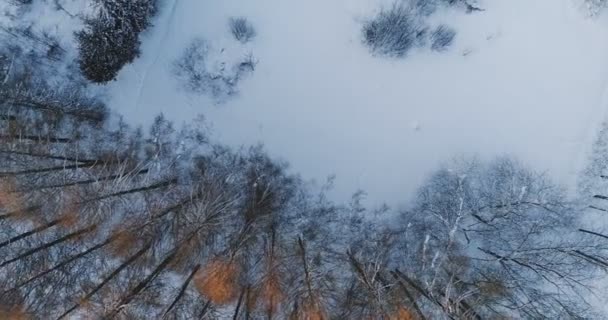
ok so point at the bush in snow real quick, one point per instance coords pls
(403, 26)
(595, 6)
(442, 38)
(247, 64)
(468, 5)
(394, 31)
(191, 65)
(111, 40)
(425, 7)
(18, 2)
(203, 69)
(242, 29)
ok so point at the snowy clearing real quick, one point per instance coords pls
(523, 77)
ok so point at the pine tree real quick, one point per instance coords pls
(111, 40)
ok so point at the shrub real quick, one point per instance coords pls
(247, 64)
(218, 282)
(394, 32)
(20, 2)
(442, 37)
(469, 5)
(202, 69)
(191, 66)
(595, 6)
(425, 7)
(242, 29)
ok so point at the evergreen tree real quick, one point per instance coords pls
(111, 40)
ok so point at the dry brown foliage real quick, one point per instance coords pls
(218, 281)
(184, 253)
(70, 213)
(251, 299)
(401, 314)
(87, 309)
(492, 289)
(123, 242)
(9, 200)
(309, 311)
(69, 218)
(14, 313)
(271, 293)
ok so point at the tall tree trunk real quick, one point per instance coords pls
(49, 244)
(142, 285)
(421, 291)
(205, 310)
(83, 113)
(182, 290)
(410, 297)
(307, 277)
(593, 233)
(50, 169)
(29, 210)
(50, 157)
(105, 281)
(83, 182)
(43, 139)
(595, 260)
(65, 262)
(29, 233)
(238, 305)
(158, 185)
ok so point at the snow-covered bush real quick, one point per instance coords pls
(242, 29)
(395, 31)
(425, 7)
(248, 63)
(111, 39)
(191, 65)
(595, 6)
(20, 2)
(205, 70)
(402, 27)
(468, 5)
(442, 37)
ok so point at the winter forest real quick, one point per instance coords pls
(270, 159)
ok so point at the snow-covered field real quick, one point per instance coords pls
(524, 77)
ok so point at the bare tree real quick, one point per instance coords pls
(498, 240)
(100, 219)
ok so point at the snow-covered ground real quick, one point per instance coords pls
(524, 77)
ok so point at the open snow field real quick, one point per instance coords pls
(524, 77)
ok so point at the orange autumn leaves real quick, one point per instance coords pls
(218, 281)
(9, 199)
(14, 313)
